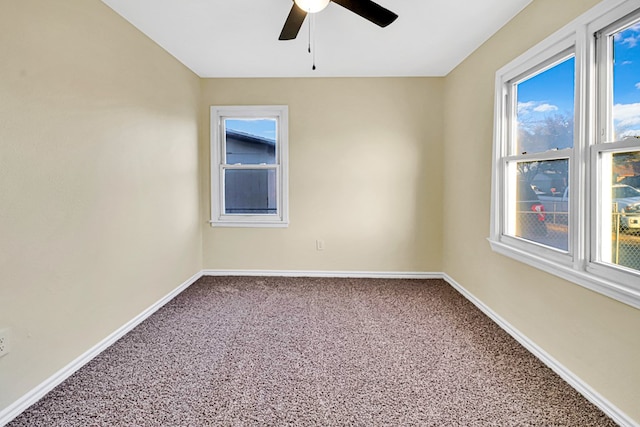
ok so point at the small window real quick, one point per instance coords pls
(249, 166)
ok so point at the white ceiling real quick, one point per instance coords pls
(239, 38)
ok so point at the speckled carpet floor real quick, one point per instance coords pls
(245, 351)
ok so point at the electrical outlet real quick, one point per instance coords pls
(4, 342)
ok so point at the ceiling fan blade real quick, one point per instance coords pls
(293, 23)
(369, 10)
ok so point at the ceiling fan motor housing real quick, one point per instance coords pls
(312, 6)
(367, 9)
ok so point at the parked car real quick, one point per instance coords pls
(627, 200)
(625, 197)
(530, 220)
(633, 181)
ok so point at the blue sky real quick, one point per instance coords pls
(626, 77)
(551, 92)
(265, 128)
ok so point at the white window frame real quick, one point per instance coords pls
(580, 263)
(281, 167)
(556, 54)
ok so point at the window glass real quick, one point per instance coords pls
(624, 198)
(250, 141)
(626, 82)
(545, 109)
(626, 209)
(542, 202)
(250, 191)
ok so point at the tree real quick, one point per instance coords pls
(552, 132)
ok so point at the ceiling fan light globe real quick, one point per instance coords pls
(312, 6)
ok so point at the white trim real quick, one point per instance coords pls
(572, 379)
(217, 167)
(322, 273)
(20, 405)
(259, 222)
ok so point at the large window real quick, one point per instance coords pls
(566, 173)
(249, 166)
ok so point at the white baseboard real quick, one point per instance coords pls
(322, 273)
(572, 379)
(49, 384)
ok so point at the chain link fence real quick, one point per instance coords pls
(625, 239)
(544, 227)
(550, 227)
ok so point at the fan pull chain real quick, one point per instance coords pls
(313, 66)
(312, 39)
(310, 18)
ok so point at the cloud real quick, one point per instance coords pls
(626, 62)
(627, 119)
(638, 85)
(543, 108)
(627, 37)
(526, 107)
(631, 41)
(630, 132)
(529, 107)
(627, 114)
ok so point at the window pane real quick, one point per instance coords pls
(250, 191)
(624, 196)
(250, 141)
(626, 82)
(545, 113)
(542, 202)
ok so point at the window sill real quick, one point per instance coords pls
(588, 280)
(249, 224)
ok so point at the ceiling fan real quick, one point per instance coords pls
(365, 8)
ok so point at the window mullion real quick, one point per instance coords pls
(547, 155)
(579, 162)
(249, 166)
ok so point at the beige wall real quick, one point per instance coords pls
(99, 197)
(100, 211)
(594, 336)
(365, 176)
